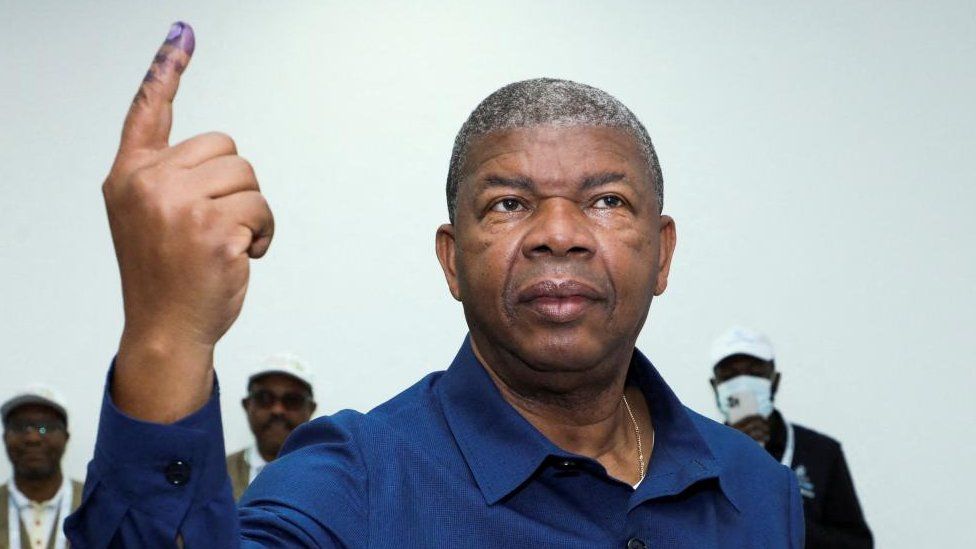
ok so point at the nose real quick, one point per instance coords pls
(559, 229)
(278, 407)
(32, 437)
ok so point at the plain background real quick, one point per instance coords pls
(818, 159)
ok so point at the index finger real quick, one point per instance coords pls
(150, 117)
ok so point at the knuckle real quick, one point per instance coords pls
(108, 187)
(223, 142)
(199, 216)
(142, 184)
(247, 168)
(230, 248)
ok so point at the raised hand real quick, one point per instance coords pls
(185, 220)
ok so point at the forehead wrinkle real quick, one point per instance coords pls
(518, 182)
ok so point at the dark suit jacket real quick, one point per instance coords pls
(833, 514)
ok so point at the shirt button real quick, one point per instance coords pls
(635, 543)
(178, 473)
(567, 464)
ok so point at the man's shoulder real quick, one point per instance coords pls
(803, 432)
(754, 481)
(408, 411)
(411, 400)
(344, 447)
(814, 443)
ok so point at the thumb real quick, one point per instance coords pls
(150, 117)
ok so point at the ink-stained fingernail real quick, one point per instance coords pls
(181, 36)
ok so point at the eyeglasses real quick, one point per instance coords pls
(263, 398)
(42, 428)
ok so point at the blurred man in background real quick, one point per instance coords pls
(745, 385)
(37, 499)
(279, 398)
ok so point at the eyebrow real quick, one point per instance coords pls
(523, 183)
(598, 180)
(526, 184)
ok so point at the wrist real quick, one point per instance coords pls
(160, 378)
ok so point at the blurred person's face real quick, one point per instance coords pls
(35, 437)
(744, 365)
(275, 405)
(557, 249)
(756, 426)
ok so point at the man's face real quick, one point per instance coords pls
(557, 247)
(35, 437)
(275, 405)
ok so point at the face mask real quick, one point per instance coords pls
(737, 395)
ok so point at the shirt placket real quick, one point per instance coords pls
(35, 526)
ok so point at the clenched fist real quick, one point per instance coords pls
(185, 220)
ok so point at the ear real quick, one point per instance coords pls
(775, 386)
(666, 241)
(244, 403)
(446, 247)
(714, 383)
(311, 411)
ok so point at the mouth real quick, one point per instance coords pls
(277, 426)
(559, 301)
(33, 456)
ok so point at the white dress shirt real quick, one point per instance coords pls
(37, 516)
(254, 460)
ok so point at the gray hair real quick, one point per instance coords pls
(548, 102)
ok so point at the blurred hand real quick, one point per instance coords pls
(185, 220)
(754, 426)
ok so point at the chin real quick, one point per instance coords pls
(568, 350)
(37, 473)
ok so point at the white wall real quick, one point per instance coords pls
(818, 159)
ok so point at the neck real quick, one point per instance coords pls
(589, 421)
(39, 489)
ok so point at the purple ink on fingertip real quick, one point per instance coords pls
(174, 31)
(181, 36)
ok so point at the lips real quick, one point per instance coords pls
(559, 301)
(33, 455)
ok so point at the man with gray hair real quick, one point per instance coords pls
(548, 429)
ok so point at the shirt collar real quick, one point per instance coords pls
(253, 458)
(503, 450)
(682, 456)
(22, 501)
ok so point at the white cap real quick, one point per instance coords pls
(285, 364)
(741, 341)
(35, 394)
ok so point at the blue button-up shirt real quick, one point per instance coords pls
(447, 463)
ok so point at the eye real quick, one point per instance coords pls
(507, 205)
(608, 202)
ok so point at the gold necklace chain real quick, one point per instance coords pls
(640, 448)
